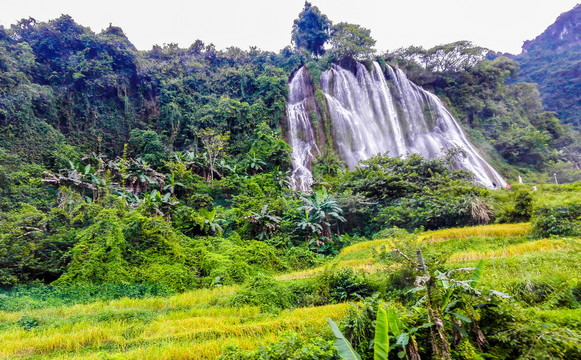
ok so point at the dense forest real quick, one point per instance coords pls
(552, 61)
(150, 173)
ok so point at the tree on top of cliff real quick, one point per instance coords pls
(311, 30)
(350, 40)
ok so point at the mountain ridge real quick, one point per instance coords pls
(553, 61)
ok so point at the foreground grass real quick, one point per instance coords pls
(198, 324)
(192, 325)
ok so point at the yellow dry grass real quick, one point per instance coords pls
(515, 250)
(368, 264)
(365, 245)
(505, 230)
(495, 230)
(364, 265)
(199, 332)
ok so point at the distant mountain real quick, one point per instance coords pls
(553, 60)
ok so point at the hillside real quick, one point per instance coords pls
(201, 324)
(553, 61)
(69, 91)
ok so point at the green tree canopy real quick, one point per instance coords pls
(311, 30)
(350, 40)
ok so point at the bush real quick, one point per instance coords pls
(27, 322)
(359, 325)
(345, 284)
(290, 347)
(391, 233)
(524, 336)
(558, 220)
(544, 294)
(233, 260)
(518, 209)
(301, 258)
(309, 292)
(265, 292)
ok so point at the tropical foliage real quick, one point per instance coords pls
(154, 187)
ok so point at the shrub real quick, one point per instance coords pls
(27, 322)
(345, 284)
(517, 334)
(233, 260)
(359, 324)
(518, 209)
(544, 294)
(265, 292)
(391, 233)
(290, 347)
(300, 257)
(558, 220)
(309, 292)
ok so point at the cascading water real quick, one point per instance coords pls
(374, 113)
(299, 107)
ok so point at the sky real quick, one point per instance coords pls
(500, 25)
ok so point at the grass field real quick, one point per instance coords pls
(192, 325)
(198, 324)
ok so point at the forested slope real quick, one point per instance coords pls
(553, 60)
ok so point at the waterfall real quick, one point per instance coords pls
(300, 106)
(374, 113)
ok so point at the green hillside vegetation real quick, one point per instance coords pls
(552, 61)
(291, 312)
(147, 207)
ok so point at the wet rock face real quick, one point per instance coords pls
(300, 130)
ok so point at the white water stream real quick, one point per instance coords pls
(365, 121)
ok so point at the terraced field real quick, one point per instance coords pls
(198, 324)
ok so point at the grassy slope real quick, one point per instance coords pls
(198, 324)
(192, 325)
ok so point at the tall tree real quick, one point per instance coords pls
(311, 30)
(350, 40)
(215, 144)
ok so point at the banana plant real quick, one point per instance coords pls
(343, 345)
(172, 183)
(266, 220)
(209, 222)
(254, 163)
(380, 343)
(156, 203)
(404, 336)
(323, 209)
(381, 338)
(310, 225)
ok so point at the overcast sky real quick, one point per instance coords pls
(501, 25)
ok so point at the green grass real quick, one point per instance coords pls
(198, 324)
(192, 325)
